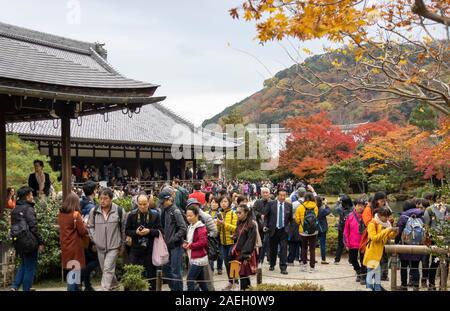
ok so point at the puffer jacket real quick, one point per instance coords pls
(300, 213)
(107, 234)
(228, 229)
(199, 242)
(352, 236)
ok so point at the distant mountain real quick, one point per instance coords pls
(273, 105)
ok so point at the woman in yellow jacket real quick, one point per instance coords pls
(226, 225)
(379, 231)
(306, 217)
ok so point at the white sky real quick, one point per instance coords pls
(181, 45)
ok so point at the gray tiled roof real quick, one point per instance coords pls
(44, 58)
(152, 125)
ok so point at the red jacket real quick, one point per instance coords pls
(199, 245)
(200, 196)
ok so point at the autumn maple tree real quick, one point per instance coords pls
(399, 48)
(314, 144)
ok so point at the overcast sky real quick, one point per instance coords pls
(181, 45)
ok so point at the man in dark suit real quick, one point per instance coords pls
(276, 223)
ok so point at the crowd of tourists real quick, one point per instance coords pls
(222, 227)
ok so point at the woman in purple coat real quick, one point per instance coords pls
(407, 260)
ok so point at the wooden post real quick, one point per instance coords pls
(259, 276)
(394, 261)
(444, 276)
(66, 161)
(159, 280)
(3, 183)
(138, 161)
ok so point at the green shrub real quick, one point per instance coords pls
(125, 202)
(332, 240)
(132, 279)
(49, 261)
(251, 175)
(300, 287)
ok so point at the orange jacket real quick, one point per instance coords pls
(367, 215)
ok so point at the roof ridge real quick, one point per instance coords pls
(100, 60)
(176, 116)
(44, 38)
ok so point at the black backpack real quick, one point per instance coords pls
(23, 239)
(310, 223)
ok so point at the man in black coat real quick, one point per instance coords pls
(143, 226)
(260, 208)
(276, 223)
(39, 181)
(24, 212)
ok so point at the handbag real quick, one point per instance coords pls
(160, 253)
(249, 266)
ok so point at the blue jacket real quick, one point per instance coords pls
(86, 205)
(322, 218)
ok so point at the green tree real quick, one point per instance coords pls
(340, 177)
(19, 162)
(424, 117)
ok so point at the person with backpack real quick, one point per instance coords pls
(72, 230)
(196, 245)
(106, 226)
(434, 215)
(379, 232)
(306, 217)
(343, 208)
(353, 229)
(90, 253)
(411, 231)
(174, 230)
(294, 239)
(181, 195)
(143, 226)
(324, 211)
(245, 247)
(26, 239)
(226, 224)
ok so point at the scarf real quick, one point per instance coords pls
(41, 180)
(385, 225)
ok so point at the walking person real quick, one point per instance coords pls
(343, 208)
(143, 226)
(196, 245)
(226, 224)
(260, 208)
(175, 230)
(294, 238)
(245, 248)
(276, 223)
(26, 239)
(214, 212)
(324, 211)
(90, 252)
(307, 219)
(72, 230)
(107, 231)
(353, 229)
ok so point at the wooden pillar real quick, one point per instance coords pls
(183, 169)
(3, 184)
(138, 162)
(394, 261)
(444, 276)
(66, 161)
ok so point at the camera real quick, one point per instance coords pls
(143, 242)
